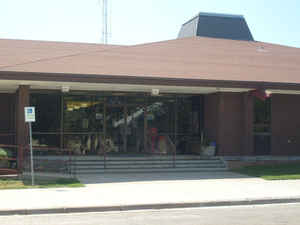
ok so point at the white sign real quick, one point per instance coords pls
(29, 114)
(99, 116)
(155, 92)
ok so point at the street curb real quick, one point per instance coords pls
(147, 206)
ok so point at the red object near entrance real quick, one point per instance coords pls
(261, 94)
(153, 134)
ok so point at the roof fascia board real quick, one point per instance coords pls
(139, 80)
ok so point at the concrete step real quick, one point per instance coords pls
(146, 158)
(165, 165)
(147, 164)
(150, 170)
(213, 165)
(141, 162)
(150, 157)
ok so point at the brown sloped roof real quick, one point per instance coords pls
(22, 52)
(195, 58)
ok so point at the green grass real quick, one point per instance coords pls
(272, 172)
(15, 183)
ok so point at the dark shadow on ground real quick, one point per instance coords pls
(158, 176)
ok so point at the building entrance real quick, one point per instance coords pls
(115, 133)
(116, 123)
(124, 130)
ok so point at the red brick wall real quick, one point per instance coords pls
(224, 121)
(285, 125)
(232, 125)
(7, 118)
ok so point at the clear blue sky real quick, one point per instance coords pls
(140, 21)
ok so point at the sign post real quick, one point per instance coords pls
(29, 118)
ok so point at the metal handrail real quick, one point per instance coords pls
(173, 146)
(104, 147)
(171, 143)
(8, 146)
(68, 151)
(8, 158)
(7, 134)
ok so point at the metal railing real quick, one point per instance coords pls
(63, 165)
(10, 159)
(64, 160)
(20, 159)
(173, 149)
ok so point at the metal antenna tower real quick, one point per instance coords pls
(104, 22)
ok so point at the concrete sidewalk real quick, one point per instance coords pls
(147, 190)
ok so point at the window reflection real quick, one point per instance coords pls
(82, 113)
(160, 115)
(83, 124)
(190, 109)
(262, 126)
(135, 128)
(115, 129)
(160, 125)
(185, 116)
(262, 115)
(48, 111)
(115, 122)
(46, 141)
(46, 128)
(84, 144)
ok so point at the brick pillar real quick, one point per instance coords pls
(22, 127)
(248, 139)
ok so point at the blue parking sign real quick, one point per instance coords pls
(29, 114)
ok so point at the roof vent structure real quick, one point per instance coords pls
(215, 25)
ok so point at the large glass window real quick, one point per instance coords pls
(115, 129)
(46, 128)
(185, 117)
(189, 122)
(118, 122)
(262, 126)
(83, 123)
(160, 115)
(48, 111)
(7, 119)
(135, 128)
(78, 113)
(262, 115)
(125, 125)
(160, 118)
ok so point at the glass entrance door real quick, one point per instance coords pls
(124, 129)
(128, 123)
(135, 129)
(161, 126)
(115, 138)
(82, 124)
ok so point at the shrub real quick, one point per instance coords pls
(3, 153)
(3, 161)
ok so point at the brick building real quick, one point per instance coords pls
(213, 81)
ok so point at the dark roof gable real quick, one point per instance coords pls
(214, 25)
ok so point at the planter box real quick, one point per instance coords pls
(208, 150)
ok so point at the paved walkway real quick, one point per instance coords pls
(123, 190)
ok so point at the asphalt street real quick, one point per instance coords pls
(273, 214)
